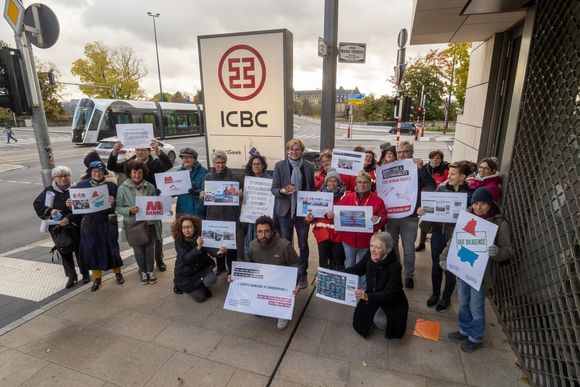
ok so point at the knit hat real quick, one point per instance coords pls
(331, 173)
(483, 195)
(188, 152)
(97, 165)
(391, 148)
(90, 157)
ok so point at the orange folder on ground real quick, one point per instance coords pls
(427, 329)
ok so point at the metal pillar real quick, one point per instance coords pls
(156, 15)
(327, 118)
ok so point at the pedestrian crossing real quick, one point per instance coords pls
(28, 140)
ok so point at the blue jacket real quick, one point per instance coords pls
(190, 203)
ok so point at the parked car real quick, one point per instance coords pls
(406, 127)
(105, 147)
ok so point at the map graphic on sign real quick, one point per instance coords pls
(471, 242)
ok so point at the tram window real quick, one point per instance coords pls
(182, 121)
(94, 125)
(149, 118)
(192, 120)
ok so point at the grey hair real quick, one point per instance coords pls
(218, 154)
(61, 170)
(386, 240)
(364, 175)
(403, 143)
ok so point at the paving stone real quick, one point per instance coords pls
(279, 382)
(329, 311)
(313, 370)
(137, 325)
(308, 336)
(94, 313)
(243, 378)
(370, 376)
(34, 330)
(189, 339)
(431, 382)
(246, 354)
(182, 308)
(57, 376)
(235, 323)
(186, 370)
(491, 367)
(16, 367)
(128, 362)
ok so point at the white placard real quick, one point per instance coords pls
(92, 199)
(317, 203)
(45, 223)
(336, 286)
(467, 257)
(136, 136)
(257, 200)
(217, 233)
(398, 186)
(260, 289)
(348, 162)
(173, 183)
(443, 206)
(49, 199)
(353, 218)
(153, 207)
(221, 193)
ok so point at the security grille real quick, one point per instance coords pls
(538, 293)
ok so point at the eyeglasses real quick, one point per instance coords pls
(363, 182)
(63, 176)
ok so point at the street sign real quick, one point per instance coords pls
(352, 52)
(14, 14)
(402, 38)
(355, 99)
(322, 47)
(44, 25)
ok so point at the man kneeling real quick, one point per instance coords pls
(270, 249)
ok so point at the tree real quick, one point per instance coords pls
(459, 54)
(106, 66)
(51, 92)
(198, 97)
(166, 97)
(374, 109)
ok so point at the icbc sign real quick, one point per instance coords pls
(242, 72)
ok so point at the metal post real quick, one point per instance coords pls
(327, 117)
(448, 108)
(424, 103)
(399, 116)
(156, 15)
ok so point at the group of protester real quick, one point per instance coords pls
(373, 256)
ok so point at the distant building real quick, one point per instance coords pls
(315, 97)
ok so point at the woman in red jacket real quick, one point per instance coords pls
(330, 250)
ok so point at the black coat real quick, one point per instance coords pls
(384, 290)
(159, 165)
(190, 266)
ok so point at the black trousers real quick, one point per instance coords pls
(331, 255)
(68, 264)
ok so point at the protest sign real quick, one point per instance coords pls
(443, 206)
(153, 207)
(397, 185)
(336, 286)
(348, 162)
(467, 257)
(317, 203)
(88, 200)
(137, 136)
(257, 200)
(218, 233)
(353, 218)
(221, 193)
(260, 289)
(173, 183)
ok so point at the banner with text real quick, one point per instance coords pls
(173, 183)
(257, 200)
(135, 135)
(153, 207)
(397, 185)
(217, 233)
(87, 200)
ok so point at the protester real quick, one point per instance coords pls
(9, 133)
(290, 176)
(59, 209)
(325, 164)
(270, 249)
(441, 234)
(370, 167)
(472, 302)
(487, 176)
(220, 172)
(194, 273)
(159, 165)
(99, 246)
(190, 203)
(406, 227)
(255, 167)
(134, 186)
(388, 155)
(384, 303)
(330, 249)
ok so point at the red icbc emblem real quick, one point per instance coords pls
(242, 72)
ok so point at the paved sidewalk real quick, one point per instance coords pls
(135, 335)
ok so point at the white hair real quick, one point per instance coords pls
(218, 154)
(61, 170)
(386, 240)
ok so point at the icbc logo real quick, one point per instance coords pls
(242, 72)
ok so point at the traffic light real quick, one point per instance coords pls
(12, 94)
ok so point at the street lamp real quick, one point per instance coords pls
(156, 15)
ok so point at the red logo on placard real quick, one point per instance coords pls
(168, 180)
(242, 72)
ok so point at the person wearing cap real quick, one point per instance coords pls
(190, 203)
(472, 302)
(99, 246)
(330, 249)
(388, 155)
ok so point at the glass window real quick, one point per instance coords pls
(94, 125)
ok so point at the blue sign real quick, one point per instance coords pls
(352, 97)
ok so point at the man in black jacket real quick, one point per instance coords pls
(159, 165)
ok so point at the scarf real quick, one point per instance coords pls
(338, 191)
(138, 188)
(95, 183)
(60, 188)
(296, 180)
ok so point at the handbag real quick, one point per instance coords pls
(64, 240)
(136, 233)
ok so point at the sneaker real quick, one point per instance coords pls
(409, 283)
(120, 279)
(282, 323)
(420, 247)
(144, 278)
(432, 301)
(469, 346)
(152, 278)
(161, 266)
(303, 283)
(96, 285)
(176, 290)
(443, 305)
(457, 337)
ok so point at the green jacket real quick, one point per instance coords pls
(126, 200)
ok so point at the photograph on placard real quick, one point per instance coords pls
(353, 218)
(221, 193)
(315, 203)
(348, 162)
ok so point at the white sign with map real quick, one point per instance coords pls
(336, 286)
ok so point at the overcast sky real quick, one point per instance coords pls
(125, 23)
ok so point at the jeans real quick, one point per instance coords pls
(200, 294)
(438, 243)
(144, 255)
(407, 229)
(287, 225)
(353, 255)
(471, 311)
(159, 246)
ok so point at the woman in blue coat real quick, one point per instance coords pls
(190, 203)
(99, 246)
